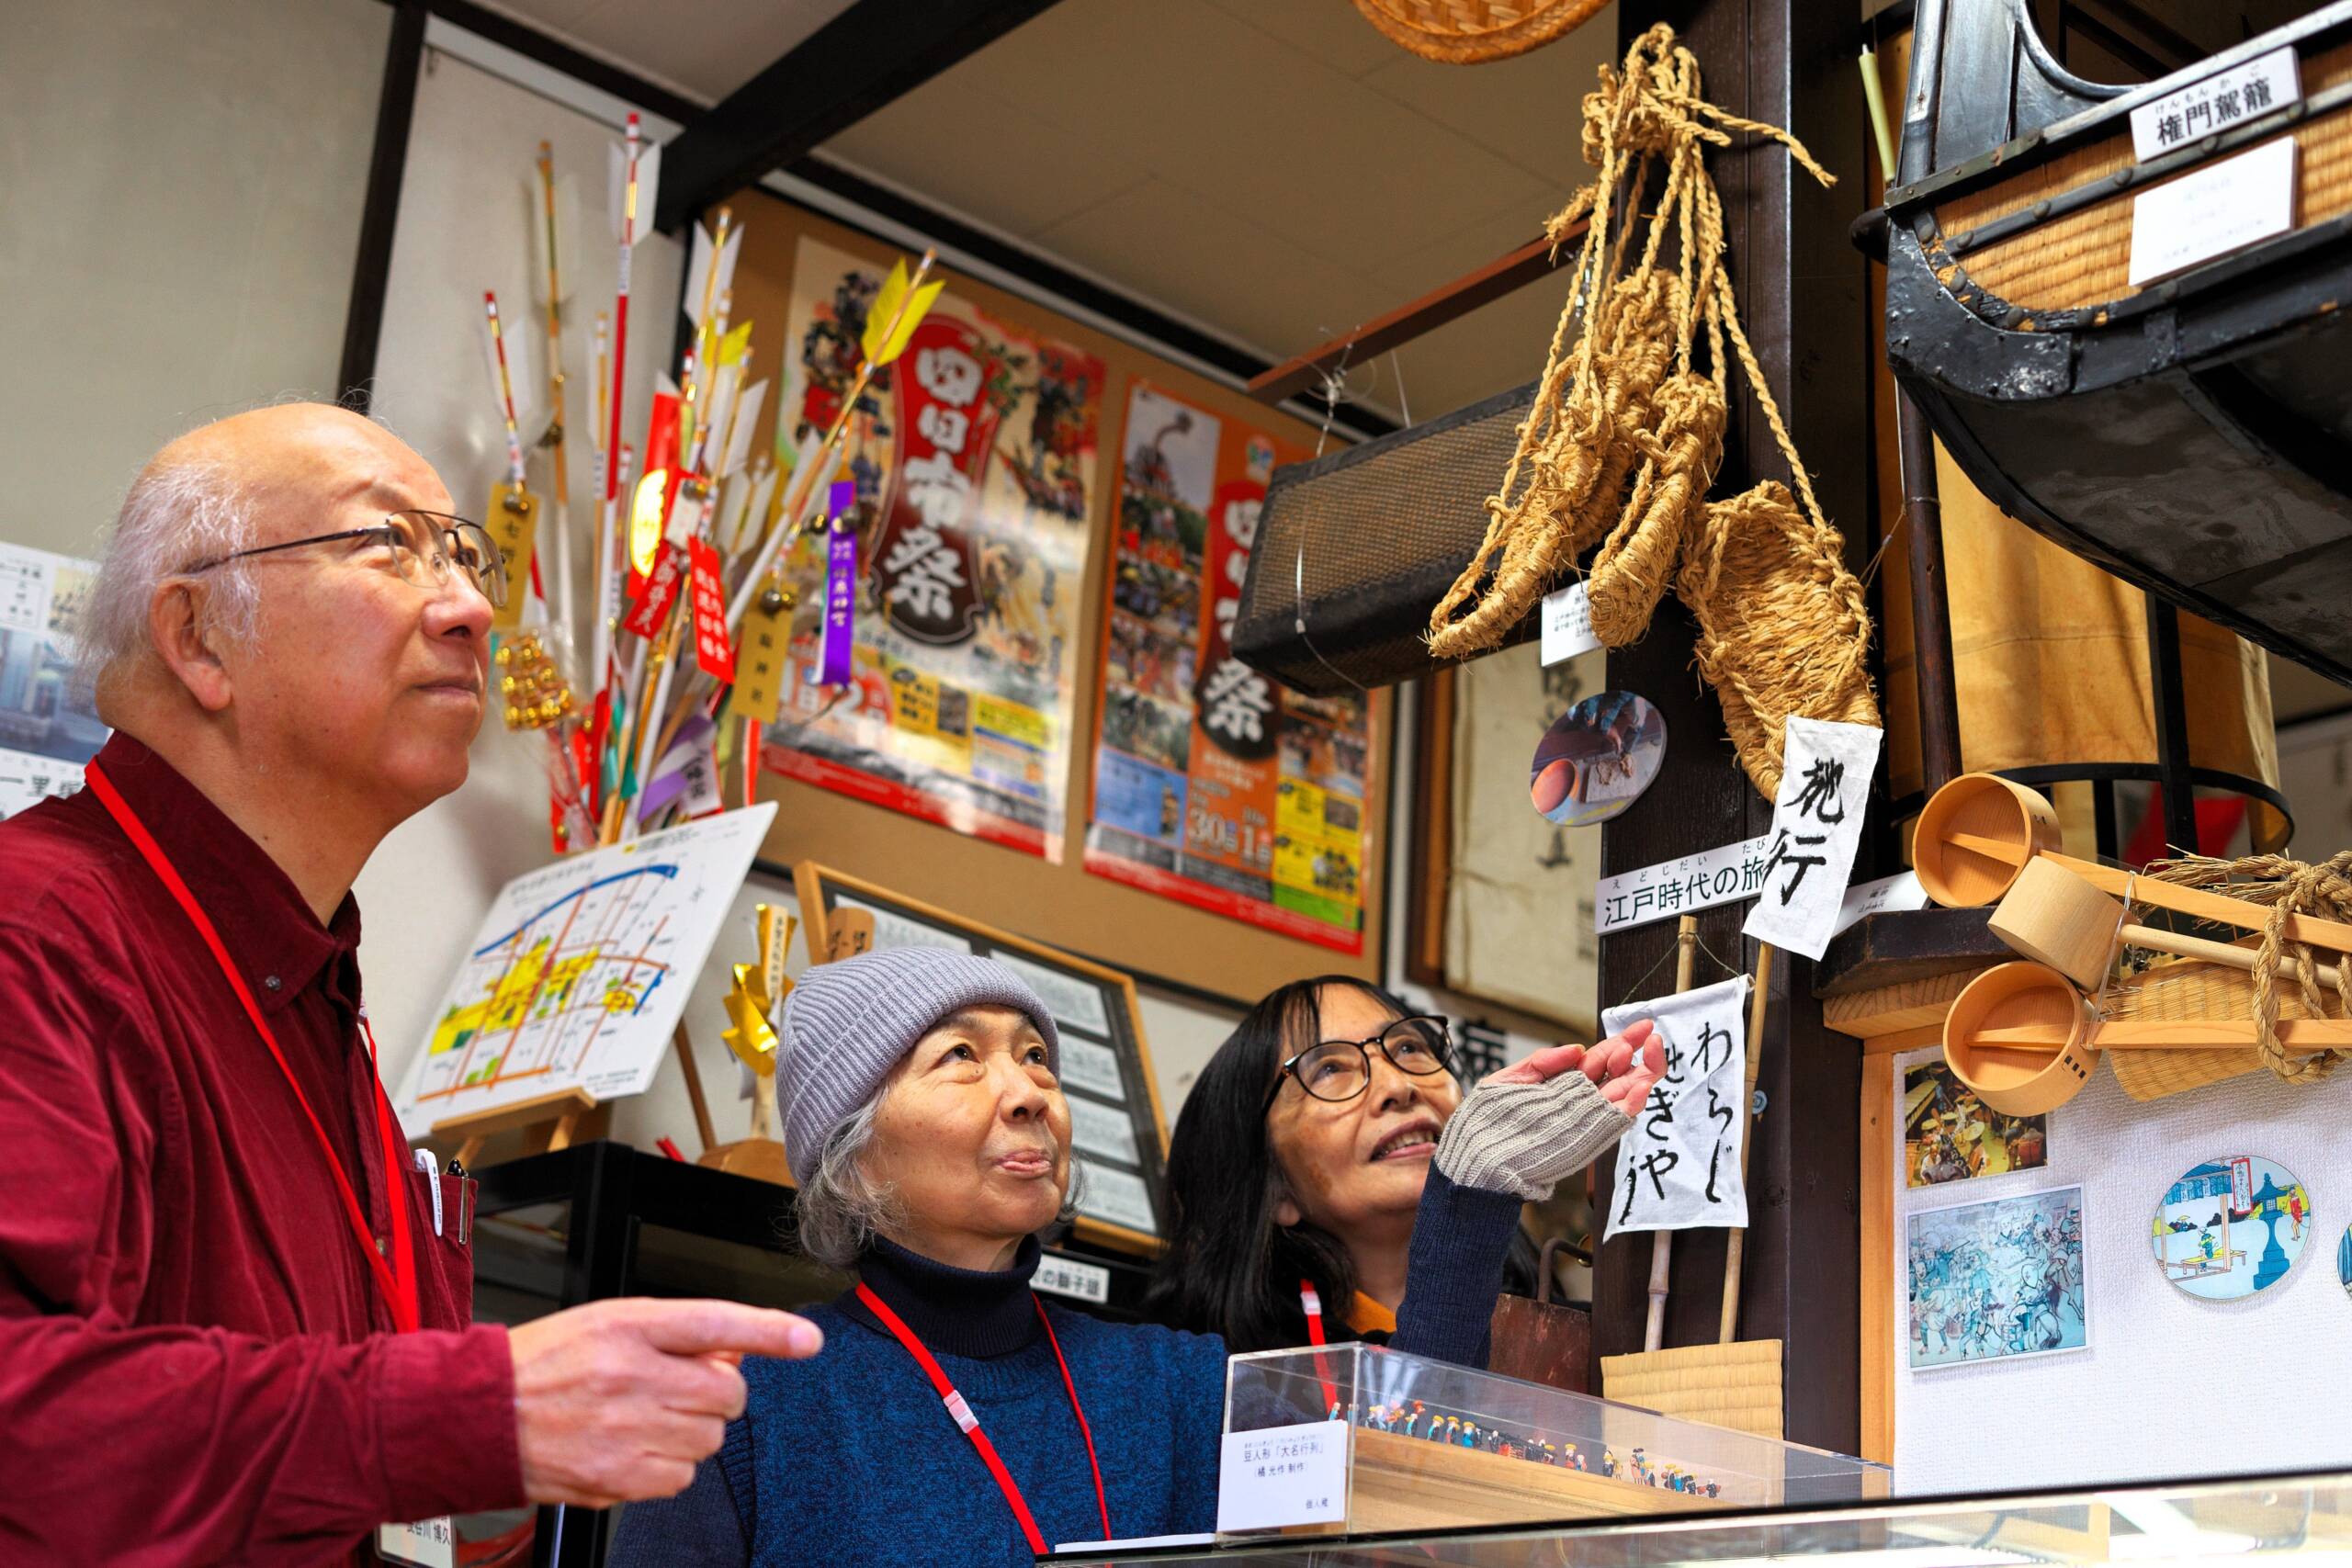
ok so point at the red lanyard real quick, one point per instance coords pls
(970, 1424)
(1312, 1300)
(397, 1276)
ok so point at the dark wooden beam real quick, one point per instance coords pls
(1804, 295)
(873, 53)
(379, 210)
(1506, 274)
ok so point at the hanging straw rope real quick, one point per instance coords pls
(2286, 888)
(1626, 433)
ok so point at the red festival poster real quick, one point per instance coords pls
(973, 455)
(1213, 785)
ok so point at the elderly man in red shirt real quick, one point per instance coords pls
(233, 1327)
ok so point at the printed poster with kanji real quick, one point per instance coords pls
(974, 457)
(1214, 786)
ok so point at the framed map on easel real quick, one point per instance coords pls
(1118, 1134)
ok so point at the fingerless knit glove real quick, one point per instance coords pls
(1524, 1138)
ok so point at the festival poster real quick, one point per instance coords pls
(974, 461)
(1213, 785)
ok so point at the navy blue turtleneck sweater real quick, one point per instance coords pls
(849, 1457)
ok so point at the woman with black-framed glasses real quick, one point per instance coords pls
(1332, 1181)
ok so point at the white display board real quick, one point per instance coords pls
(2170, 1387)
(581, 970)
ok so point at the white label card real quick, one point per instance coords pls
(2222, 101)
(2214, 211)
(1901, 891)
(1282, 1475)
(1095, 1069)
(1816, 827)
(427, 1543)
(1117, 1196)
(1074, 1003)
(1721, 875)
(1099, 1130)
(893, 930)
(1069, 1277)
(1567, 623)
(1680, 1166)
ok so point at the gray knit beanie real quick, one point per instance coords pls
(846, 1024)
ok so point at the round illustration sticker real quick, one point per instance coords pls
(1597, 759)
(2231, 1227)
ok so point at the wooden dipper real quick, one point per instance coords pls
(2054, 915)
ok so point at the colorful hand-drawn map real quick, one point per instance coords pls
(581, 970)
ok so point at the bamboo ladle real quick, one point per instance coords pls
(2054, 915)
(1980, 831)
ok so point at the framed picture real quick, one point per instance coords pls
(1997, 1280)
(1118, 1133)
(1501, 900)
(1948, 1134)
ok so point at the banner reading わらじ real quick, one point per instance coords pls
(975, 453)
(1214, 786)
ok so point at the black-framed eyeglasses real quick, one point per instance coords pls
(1342, 1069)
(425, 548)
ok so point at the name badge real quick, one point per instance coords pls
(427, 1543)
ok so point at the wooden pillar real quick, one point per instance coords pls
(1802, 291)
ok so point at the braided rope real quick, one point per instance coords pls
(1625, 434)
(2286, 888)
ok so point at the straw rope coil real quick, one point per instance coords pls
(1470, 32)
(2285, 887)
(1627, 432)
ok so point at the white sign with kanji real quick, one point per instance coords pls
(1683, 885)
(1282, 1475)
(1678, 1168)
(2212, 210)
(2222, 101)
(1816, 827)
(1567, 623)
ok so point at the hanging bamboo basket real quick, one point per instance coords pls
(1471, 32)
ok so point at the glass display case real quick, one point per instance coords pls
(2147, 1526)
(1354, 1439)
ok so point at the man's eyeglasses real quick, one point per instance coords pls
(1342, 1069)
(425, 548)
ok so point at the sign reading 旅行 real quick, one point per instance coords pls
(1816, 827)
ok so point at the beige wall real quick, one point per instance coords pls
(180, 187)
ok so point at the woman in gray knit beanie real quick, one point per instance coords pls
(954, 1416)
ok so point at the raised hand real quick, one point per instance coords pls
(1622, 1066)
(1523, 1128)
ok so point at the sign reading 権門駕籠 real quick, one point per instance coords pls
(2222, 101)
(1721, 875)
(1680, 1166)
(1816, 827)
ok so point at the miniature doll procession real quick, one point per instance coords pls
(931, 1142)
(1452, 1430)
